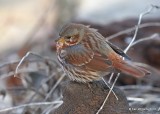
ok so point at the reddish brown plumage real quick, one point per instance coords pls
(128, 67)
(86, 56)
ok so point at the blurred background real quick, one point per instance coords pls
(33, 25)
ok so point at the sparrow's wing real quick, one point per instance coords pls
(85, 57)
(78, 55)
(100, 63)
(118, 50)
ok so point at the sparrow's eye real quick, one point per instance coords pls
(68, 37)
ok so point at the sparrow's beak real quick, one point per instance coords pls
(60, 42)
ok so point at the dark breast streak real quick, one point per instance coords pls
(82, 64)
(84, 73)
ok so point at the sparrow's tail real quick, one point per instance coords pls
(130, 68)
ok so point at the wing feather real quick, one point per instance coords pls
(118, 50)
(100, 63)
(78, 55)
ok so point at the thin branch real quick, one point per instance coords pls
(40, 65)
(135, 87)
(21, 61)
(27, 54)
(50, 108)
(24, 70)
(16, 63)
(53, 88)
(125, 51)
(110, 78)
(142, 87)
(104, 102)
(110, 88)
(31, 104)
(152, 24)
(41, 85)
(135, 99)
(153, 36)
(137, 27)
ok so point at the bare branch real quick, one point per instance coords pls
(53, 88)
(50, 108)
(137, 27)
(152, 24)
(110, 88)
(135, 99)
(28, 53)
(24, 57)
(153, 36)
(110, 78)
(24, 70)
(31, 104)
(108, 95)
(125, 51)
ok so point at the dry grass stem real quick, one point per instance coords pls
(27, 54)
(152, 24)
(31, 104)
(110, 78)
(110, 88)
(125, 51)
(54, 87)
(107, 95)
(152, 37)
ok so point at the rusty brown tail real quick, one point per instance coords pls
(130, 68)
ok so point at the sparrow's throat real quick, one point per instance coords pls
(60, 43)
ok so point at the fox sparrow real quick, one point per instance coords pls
(86, 56)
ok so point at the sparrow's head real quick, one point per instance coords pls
(70, 35)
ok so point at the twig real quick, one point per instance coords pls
(50, 108)
(133, 87)
(153, 36)
(136, 87)
(136, 31)
(155, 6)
(41, 86)
(153, 24)
(31, 104)
(134, 37)
(40, 65)
(104, 102)
(24, 57)
(146, 100)
(135, 99)
(36, 91)
(24, 70)
(110, 78)
(110, 88)
(53, 88)
(137, 27)
(7, 64)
